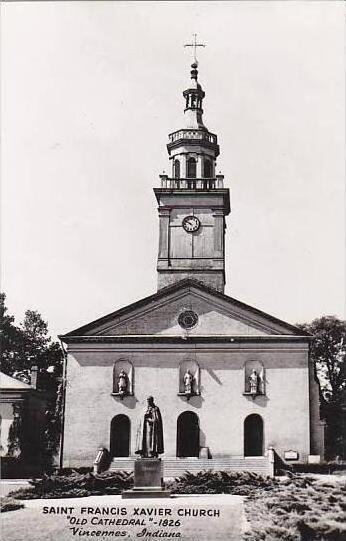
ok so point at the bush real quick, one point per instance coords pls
(75, 485)
(220, 482)
(324, 467)
(9, 504)
(71, 471)
(299, 508)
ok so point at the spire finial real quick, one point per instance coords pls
(194, 45)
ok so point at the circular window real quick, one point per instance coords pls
(188, 319)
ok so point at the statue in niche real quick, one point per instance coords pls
(188, 382)
(193, 100)
(255, 381)
(122, 383)
(152, 432)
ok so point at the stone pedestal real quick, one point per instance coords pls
(148, 480)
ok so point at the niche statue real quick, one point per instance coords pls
(254, 380)
(152, 433)
(122, 383)
(188, 382)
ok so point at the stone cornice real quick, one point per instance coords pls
(166, 339)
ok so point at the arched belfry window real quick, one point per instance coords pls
(208, 170)
(176, 169)
(191, 168)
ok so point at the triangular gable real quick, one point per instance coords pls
(218, 314)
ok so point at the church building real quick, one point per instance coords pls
(235, 385)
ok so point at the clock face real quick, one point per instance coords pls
(191, 224)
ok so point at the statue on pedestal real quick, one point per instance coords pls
(254, 380)
(122, 383)
(188, 382)
(152, 432)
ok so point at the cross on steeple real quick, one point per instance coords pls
(194, 45)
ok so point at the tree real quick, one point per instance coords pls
(328, 352)
(10, 338)
(27, 345)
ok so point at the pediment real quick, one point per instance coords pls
(218, 315)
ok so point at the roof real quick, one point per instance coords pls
(187, 284)
(7, 383)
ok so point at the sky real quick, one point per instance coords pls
(90, 92)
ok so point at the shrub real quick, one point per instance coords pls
(71, 471)
(324, 467)
(219, 482)
(299, 508)
(9, 504)
(75, 485)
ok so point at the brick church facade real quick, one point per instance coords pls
(234, 385)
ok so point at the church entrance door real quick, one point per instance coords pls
(253, 435)
(188, 434)
(120, 436)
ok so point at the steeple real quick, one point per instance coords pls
(194, 101)
(192, 201)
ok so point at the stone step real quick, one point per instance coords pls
(174, 466)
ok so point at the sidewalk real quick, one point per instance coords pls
(7, 485)
(217, 517)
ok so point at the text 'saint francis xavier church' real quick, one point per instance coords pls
(234, 385)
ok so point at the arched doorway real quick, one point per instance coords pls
(253, 435)
(188, 434)
(120, 436)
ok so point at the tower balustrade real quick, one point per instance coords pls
(192, 183)
(193, 134)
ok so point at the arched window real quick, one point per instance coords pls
(176, 169)
(191, 168)
(188, 434)
(208, 173)
(120, 436)
(253, 435)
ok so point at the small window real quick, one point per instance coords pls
(176, 169)
(207, 169)
(191, 168)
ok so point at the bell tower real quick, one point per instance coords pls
(192, 201)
